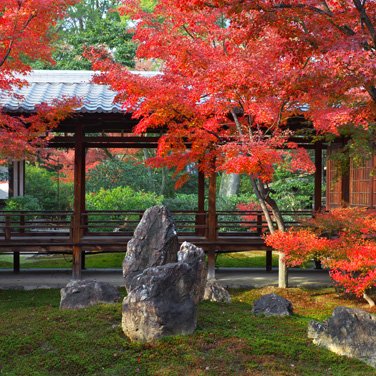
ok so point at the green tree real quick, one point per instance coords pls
(91, 23)
(46, 187)
(115, 172)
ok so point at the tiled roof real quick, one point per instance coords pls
(47, 85)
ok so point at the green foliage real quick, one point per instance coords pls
(112, 173)
(46, 188)
(92, 23)
(115, 172)
(182, 202)
(121, 198)
(4, 173)
(359, 146)
(23, 203)
(292, 191)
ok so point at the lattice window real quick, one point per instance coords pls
(334, 185)
(361, 184)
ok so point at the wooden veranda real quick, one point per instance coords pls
(79, 231)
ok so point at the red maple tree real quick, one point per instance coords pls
(25, 36)
(233, 73)
(344, 240)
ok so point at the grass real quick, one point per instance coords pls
(254, 259)
(39, 339)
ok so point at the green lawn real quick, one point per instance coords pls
(114, 260)
(36, 338)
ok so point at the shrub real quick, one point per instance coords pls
(344, 240)
(26, 202)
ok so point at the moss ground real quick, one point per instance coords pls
(114, 260)
(36, 338)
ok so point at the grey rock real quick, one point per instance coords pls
(349, 332)
(272, 305)
(154, 243)
(85, 293)
(195, 257)
(215, 292)
(164, 301)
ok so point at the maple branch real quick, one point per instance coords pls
(371, 89)
(279, 118)
(328, 13)
(10, 46)
(365, 19)
(188, 32)
(237, 122)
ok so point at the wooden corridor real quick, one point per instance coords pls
(109, 231)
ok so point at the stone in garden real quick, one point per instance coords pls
(215, 292)
(85, 293)
(164, 301)
(272, 305)
(349, 332)
(195, 257)
(154, 243)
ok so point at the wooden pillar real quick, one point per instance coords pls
(201, 192)
(79, 200)
(16, 262)
(345, 180)
(269, 260)
(200, 218)
(318, 177)
(16, 184)
(212, 223)
(83, 261)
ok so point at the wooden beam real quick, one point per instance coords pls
(79, 201)
(318, 177)
(201, 192)
(212, 223)
(200, 217)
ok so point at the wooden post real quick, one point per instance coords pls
(345, 181)
(10, 180)
(318, 177)
(79, 201)
(83, 265)
(200, 218)
(269, 260)
(16, 255)
(212, 223)
(259, 224)
(16, 262)
(8, 228)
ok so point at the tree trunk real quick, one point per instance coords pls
(369, 300)
(229, 185)
(264, 199)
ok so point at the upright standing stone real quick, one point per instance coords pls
(195, 257)
(154, 243)
(164, 298)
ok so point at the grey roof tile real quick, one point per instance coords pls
(47, 85)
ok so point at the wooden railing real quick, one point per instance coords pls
(35, 223)
(123, 223)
